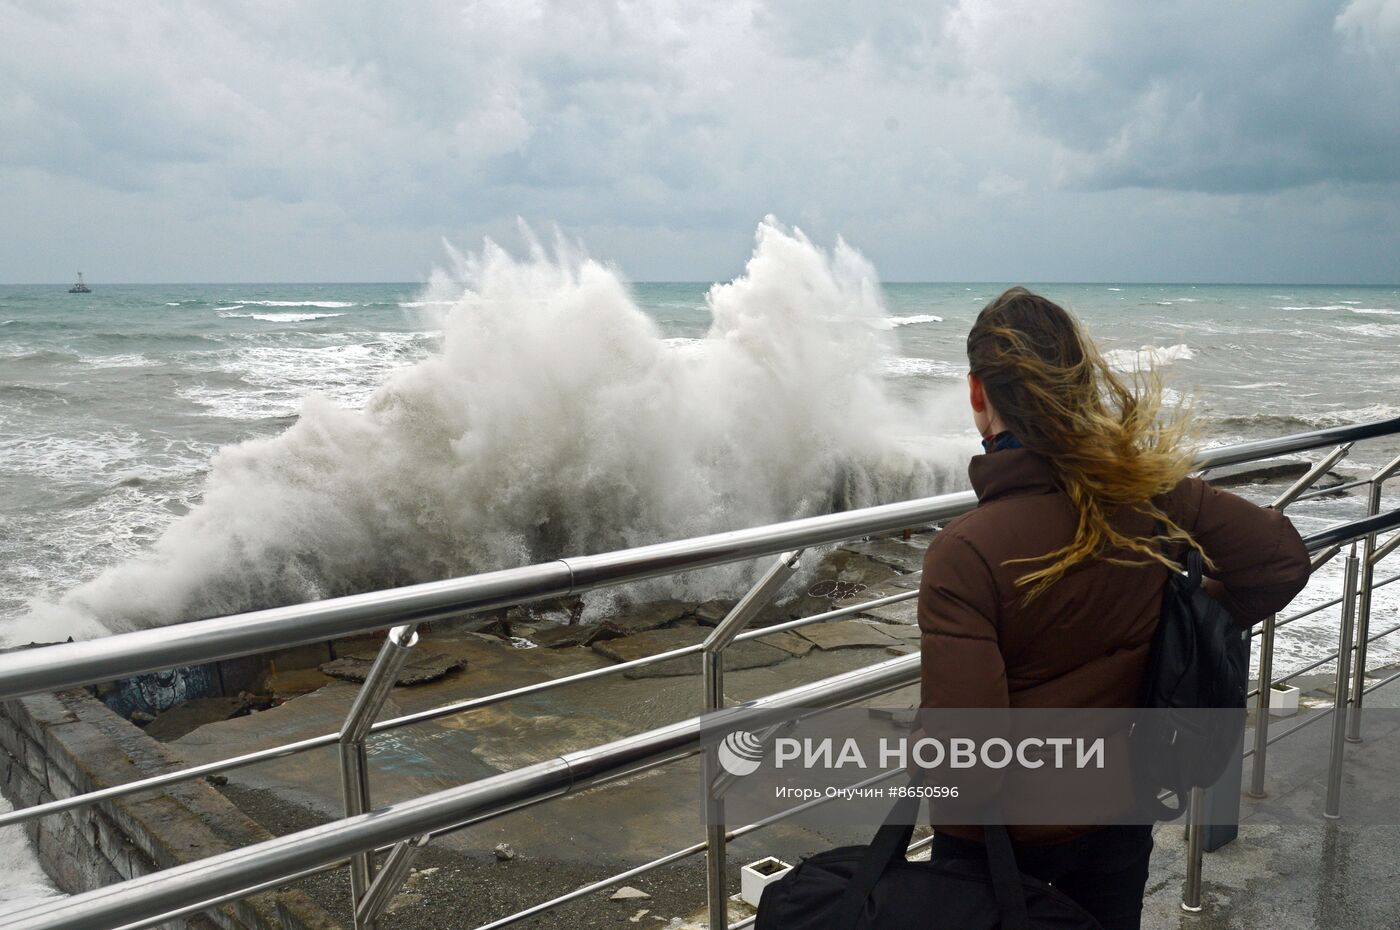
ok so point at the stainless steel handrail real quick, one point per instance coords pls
(67, 665)
(225, 876)
(165, 779)
(1297, 442)
(435, 601)
(228, 875)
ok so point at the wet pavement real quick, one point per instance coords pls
(1299, 873)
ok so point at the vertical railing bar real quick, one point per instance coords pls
(1363, 607)
(1363, 616)
(1310, 477)
(1386, 549)
(1266, 638)
(1195, 850)
(389, 879)
(1332, 811)
(354, 762)
(712, 669)
(1261, 708)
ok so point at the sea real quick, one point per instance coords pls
(173, 451)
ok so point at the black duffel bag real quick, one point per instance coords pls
(875, 888)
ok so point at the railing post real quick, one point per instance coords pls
(1309, 478)
(712, 669)
(1195, 852)
(1339, 705)
(354, 767)
(1266, 637)
(1261, 707)
(382, 889)
(1363, 607)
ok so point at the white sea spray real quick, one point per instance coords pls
(555, 420)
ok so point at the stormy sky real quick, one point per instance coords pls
(1056, 140)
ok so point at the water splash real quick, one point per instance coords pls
(555, 420)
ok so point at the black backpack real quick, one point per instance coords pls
(1194, 692)
(876, 888)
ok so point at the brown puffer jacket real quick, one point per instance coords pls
(1084, 641)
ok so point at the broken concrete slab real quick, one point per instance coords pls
(191, 715)
(846, 634)
(584, 634)
(294, 683)
(650, 616)
(909, 582)
(843, 574)
(900, 631)
(789, 642)
(906, 556)
(709, 613)
(420, 668)
(746, 654)
(904, 613)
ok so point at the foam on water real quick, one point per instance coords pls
(1346, 305)
(22, 881)
(1147, 356)
(272, 380)
(907, 367)
(554, 420)
(125, 360)
(280, 317)
(892, 322)
(1372, 330)
(325, 304)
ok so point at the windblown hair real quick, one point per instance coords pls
(1109, 438)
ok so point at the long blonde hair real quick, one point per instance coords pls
(1110, 440)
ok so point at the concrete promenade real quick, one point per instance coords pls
(1288, 869)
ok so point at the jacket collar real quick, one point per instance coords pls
(1008, 472)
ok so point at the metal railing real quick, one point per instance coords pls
(406, 827)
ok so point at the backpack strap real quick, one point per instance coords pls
(1194, 564)
(890, 843)
(1006, 878)
(1154, 805)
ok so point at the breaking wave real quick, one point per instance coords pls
(554, 420)
(280, 317)
(1147, 356)
(324, 304)
(893, 321)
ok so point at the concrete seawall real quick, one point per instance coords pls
(55, 746)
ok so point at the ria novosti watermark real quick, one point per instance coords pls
(1026, 766)
(958, 752)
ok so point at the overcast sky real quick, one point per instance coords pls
(1055, 140)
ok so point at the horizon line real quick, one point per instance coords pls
(703, 282)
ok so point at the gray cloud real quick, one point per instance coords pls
(1237, 97)
(949, 140)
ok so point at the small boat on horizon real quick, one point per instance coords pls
(80, 287)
